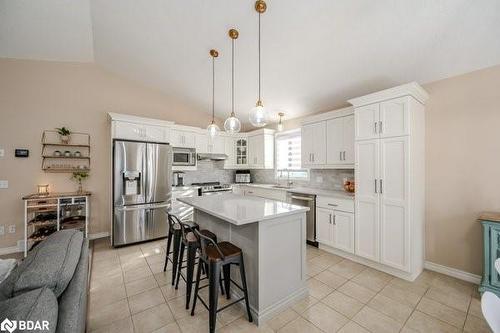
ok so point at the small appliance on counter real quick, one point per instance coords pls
(242, 176)
(211, 188)
(178, 178)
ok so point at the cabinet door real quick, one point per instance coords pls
(256, 151)
(335, 141)
(201, 143)
(217, 144)
(307, 145)
(367, 199)
(324, 226)
(176, 138)
(189, 139)
(394, 118)
(319, 148)
(155, 133)
(394, 214)
(343, 231)
(367, 121)
(130, 131)
(494, 253)
(348, 140)
(230, 151)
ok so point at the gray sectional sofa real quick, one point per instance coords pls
(50, 285)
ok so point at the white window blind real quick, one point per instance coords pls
(288, 156)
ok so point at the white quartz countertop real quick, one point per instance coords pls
(305, 190)
(239, 210)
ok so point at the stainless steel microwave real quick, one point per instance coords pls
(184, 157)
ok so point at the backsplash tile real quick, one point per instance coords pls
(209, 171)
(323, 179)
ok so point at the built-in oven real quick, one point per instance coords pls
(184, 157)
(307, 200)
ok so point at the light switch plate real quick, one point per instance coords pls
(4, 184)
(2, 152)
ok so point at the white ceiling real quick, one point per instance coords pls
(316, 54)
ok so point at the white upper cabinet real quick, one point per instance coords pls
(261, 149)
(230, 151)
(205, 144)
(182, 138)
(340, 140)
(313, 144)
(394, 117)
(201, 141)
(367, 122)
(139, 132)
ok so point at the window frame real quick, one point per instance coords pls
(279, 172)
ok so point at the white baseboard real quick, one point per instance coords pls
(10, 250)
(98, 235)
(453, 272)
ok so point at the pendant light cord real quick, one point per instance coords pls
(232, 77)
(213, 89)
(259, 56)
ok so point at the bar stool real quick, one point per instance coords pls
(189, 241)
(219, 256)
(174, 234)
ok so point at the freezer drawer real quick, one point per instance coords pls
(132, 224)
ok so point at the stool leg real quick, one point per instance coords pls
(226, 269)
(177, 243)
(179, 265)
(245, 290)
(169, 243)
(213, 292)
(191, 255)
(197, 286)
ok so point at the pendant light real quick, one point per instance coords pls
(280, 123)
(232, 124)
(213, 129)
(258, 115)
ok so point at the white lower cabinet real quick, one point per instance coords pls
(335, 227)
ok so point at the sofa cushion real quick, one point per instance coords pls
(73, 301)
(50, 264)
(36, 305)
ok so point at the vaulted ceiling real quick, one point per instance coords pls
(316, 54)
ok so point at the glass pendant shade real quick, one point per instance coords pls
(258, 116)
(213, 130)
(232, 124)
(280, 127)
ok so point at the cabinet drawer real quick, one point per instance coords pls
(346, 205)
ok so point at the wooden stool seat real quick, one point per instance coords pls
(227, 249)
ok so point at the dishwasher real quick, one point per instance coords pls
(306, 200)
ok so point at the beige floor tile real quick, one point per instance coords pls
(347, 268)
(372, 279)
(158, 267)
(313, 269)
(169, 291)
(475, 307)
(163, 278)
(343, 304)
(242, 325)
(282, 319)
(475, 324)
(331, 279)
(414, 287)
(107, 314)
(178, 307)
(450, 284)
(376, 322)
(325, 318)
(152, 319)
(98, 283)
(199, 323)
(318, 289)
(106, 263)
(299, 325)
(420, 322)
(230, 314)
(138, 286)
(106, 272)
(455, 300)
(326, 260)
(426, 277)
(130, 251)
(131, 264)
(118, 326)
(303, 304)
(356, 291)
(156, 258)
(153, 251)
(401, 295)
(352, 327)
(106, 295)
(111, 256)
(442, 312)
(145, 300)
(170, 328)
(397, 311)
(136, 274)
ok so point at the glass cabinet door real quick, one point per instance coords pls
(241, 151)
(494, 254)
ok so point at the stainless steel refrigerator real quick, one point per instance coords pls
(142, 190)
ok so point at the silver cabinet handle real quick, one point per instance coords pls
(380, 126)
(333, 205)
(340, 155)
(343, 155)
(376, 186)
(334, 223)
(313, 157)
(301, 198)
(330, 216)
(381, 187)
(375, 129)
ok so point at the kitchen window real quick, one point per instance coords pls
(288, 156)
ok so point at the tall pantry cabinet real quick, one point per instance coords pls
(390, 177)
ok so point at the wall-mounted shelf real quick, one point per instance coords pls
(52, 145)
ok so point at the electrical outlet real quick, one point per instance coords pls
(2, 152)
(2, 230)
(4, 184)
(12, 229)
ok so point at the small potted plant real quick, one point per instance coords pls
(79, 176)
(64, 134)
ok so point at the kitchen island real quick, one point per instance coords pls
(272, 236)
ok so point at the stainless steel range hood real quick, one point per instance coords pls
(211, 156)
